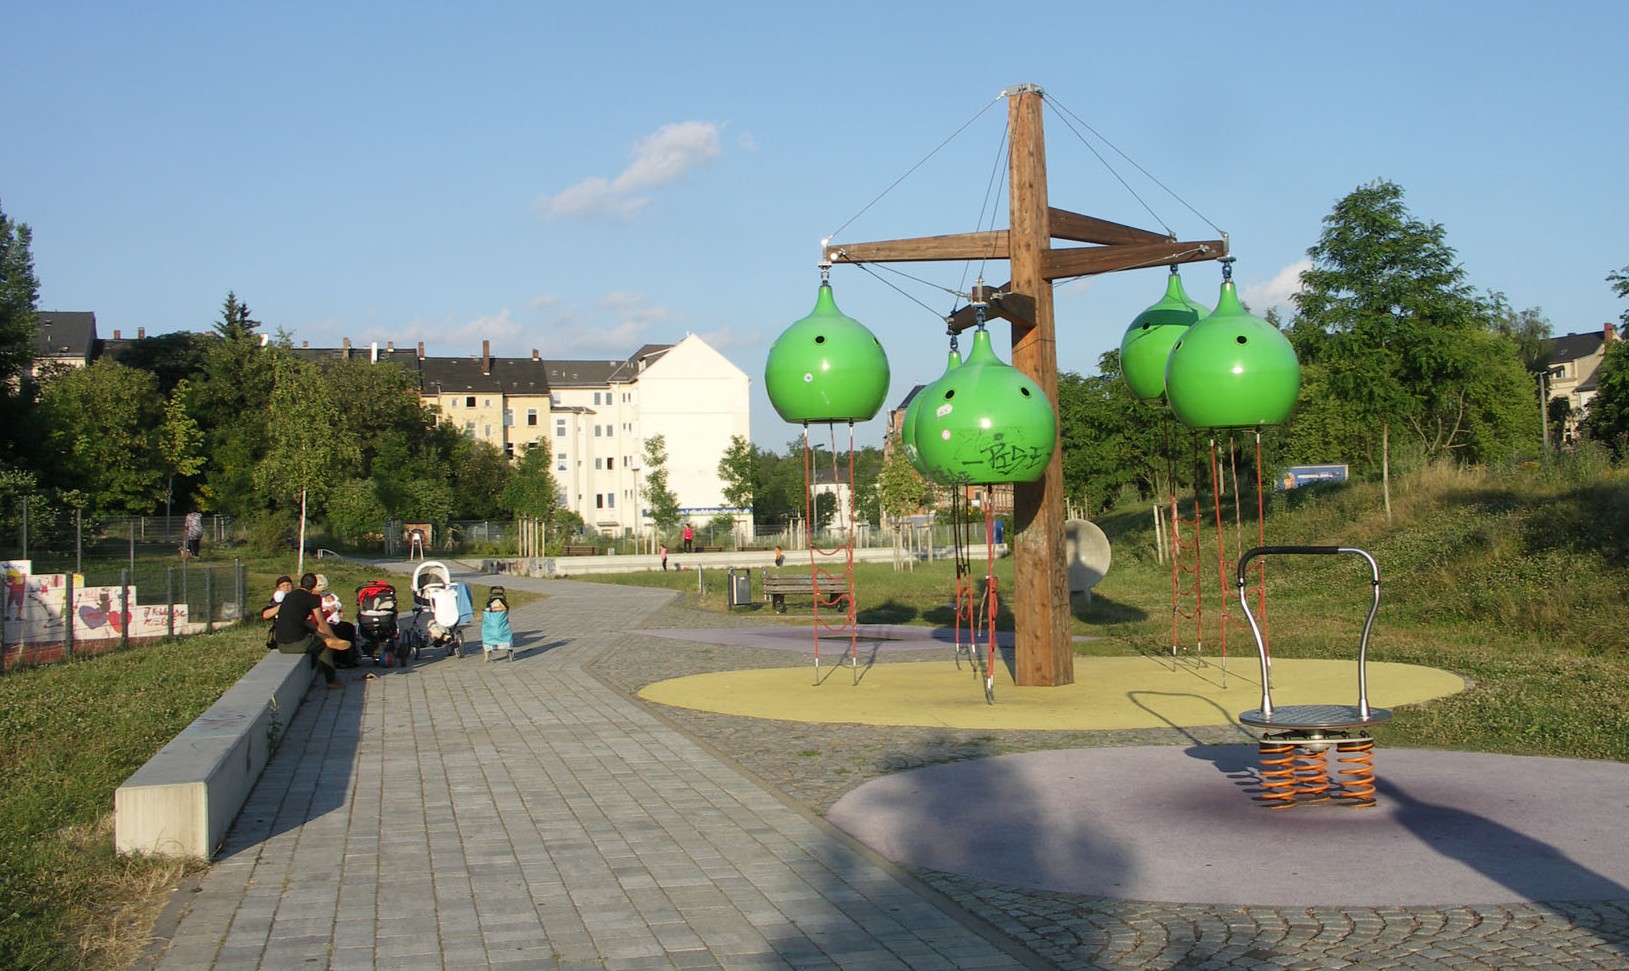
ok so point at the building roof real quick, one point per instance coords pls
(498, 375)
(1572, 347)
(65, 334)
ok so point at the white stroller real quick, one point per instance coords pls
(441, 608)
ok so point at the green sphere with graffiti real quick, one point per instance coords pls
(985, 422)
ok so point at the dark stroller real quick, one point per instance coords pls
(377, 626)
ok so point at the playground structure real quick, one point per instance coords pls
(985, 422)
(1043, 655)
(827, 369)
(1296, 739)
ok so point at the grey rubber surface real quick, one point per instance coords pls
(1184, 825)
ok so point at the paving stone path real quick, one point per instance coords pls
(535, 815)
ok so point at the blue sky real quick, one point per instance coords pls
(586, 179)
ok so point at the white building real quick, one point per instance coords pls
(594, 417)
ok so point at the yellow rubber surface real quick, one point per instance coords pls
(1108, 693)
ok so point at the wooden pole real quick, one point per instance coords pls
(1044, 655)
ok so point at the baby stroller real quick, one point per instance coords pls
(496, 634)
(376, 624)
(441, 608)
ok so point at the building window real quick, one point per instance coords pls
(486, 431)
(559, 461)
(469, 429)
(487, 403)
(599, 464)
(509, 449)
(469, 402)
(559, 428)
(508, 417)
(610, 463)
(599, 501)
(554, 398)
(596, 431)
(610, 500)
(531, 416)
(596, 397)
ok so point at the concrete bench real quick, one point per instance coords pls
(778, 586)
(184, 799)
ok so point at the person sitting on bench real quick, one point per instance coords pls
(293, 636)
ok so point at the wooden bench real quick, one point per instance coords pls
(709, 549)
(778, 585)
(581, 551)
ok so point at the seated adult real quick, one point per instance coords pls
(285, 583)
(299, 608)
(334, 612)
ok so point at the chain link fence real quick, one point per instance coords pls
(80, 588)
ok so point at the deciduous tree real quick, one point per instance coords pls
(1386, 310)
(738, 468)
(19, 294)
(658, 498)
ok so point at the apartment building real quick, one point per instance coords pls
(593, 416)
(1574, 359)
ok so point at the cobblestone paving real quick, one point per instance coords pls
(816, 764)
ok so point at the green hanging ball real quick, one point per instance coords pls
(985, 422)
(1232, 370)
(913, 410)
(1149, 339)
(826, 367)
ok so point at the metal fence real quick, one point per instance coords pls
(52, 613)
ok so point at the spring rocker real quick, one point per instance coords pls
(1296, 739)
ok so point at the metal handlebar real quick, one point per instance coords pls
(1255, 629)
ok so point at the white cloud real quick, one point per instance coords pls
(1276, 292)
(665, 156)
(544, 301)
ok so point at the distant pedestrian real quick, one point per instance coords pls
(193, 536)
(689, 537)
(780, 558)
(664, 557)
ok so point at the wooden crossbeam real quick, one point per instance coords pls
(1063, 224)
(1085, 260)
(990, 245)
(1016, 308)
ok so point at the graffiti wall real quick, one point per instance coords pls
(36, 609)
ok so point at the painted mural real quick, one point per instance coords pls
(35, 608)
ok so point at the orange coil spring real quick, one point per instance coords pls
(1356, 758)
(1277, 773)
(1312, 774)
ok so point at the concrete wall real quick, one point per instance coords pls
(184, 799)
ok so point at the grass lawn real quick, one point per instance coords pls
(70, 734)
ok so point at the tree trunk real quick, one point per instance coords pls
(1385, 467)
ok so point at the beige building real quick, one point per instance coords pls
(594, 417)
(1574, 360)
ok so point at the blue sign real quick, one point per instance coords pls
(1300, 475)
